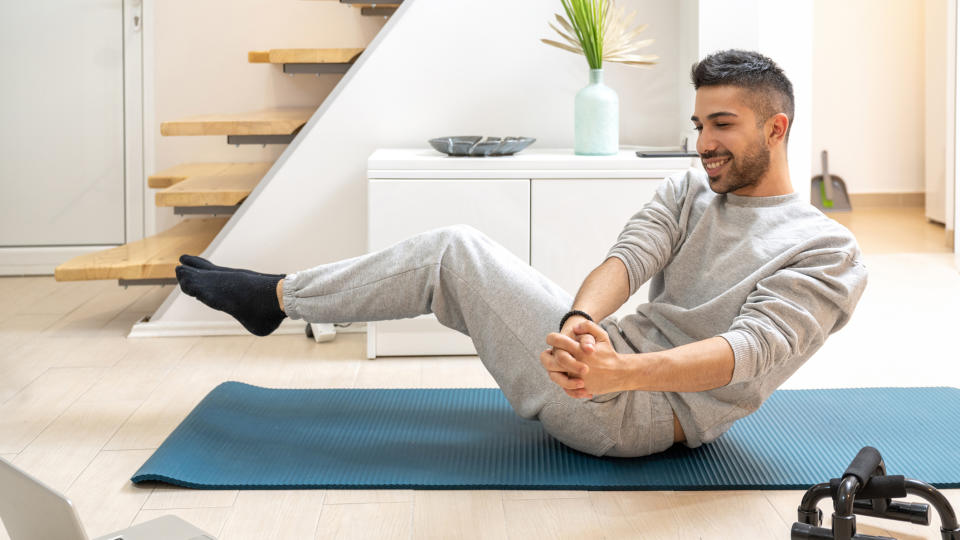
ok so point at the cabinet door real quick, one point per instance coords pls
(398, 209)
(575, 222)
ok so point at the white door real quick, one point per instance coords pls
(61, 123)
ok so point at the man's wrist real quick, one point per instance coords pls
(644, 371)
(574, 313)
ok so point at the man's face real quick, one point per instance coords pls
(732, 148)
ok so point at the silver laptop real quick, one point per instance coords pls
(31, 510)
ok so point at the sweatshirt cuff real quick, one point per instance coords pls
(744, 356)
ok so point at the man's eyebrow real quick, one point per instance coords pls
(714, 115)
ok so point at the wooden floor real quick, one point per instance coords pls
(82, 407)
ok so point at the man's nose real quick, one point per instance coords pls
(705, 143)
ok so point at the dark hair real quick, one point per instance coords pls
(752, 71)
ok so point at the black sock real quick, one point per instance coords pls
(203, 264)
(251, 299)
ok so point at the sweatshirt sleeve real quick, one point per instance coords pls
(791, 312)
(650, 237)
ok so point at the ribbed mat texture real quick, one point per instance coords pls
(246, 437)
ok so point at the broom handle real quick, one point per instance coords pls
(827, 183)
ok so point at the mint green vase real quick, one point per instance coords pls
(596, 123)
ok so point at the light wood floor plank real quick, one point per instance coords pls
(550, 518)
(167, 497)
(364, 496)
(142, 369)
(104, 496)
(637, 514)
(384, 521)
(28, 413)
(23, 367)
(274, 515)
(443, 515)
(398, 372)
(454, 372)
(206, 365)
(23, 293)
(728, 515)
(59, 453)
(21, 329)
(92, 315)
(209, 520)
(893, 230)
(521, 494)
(293, 361)
(66, 297)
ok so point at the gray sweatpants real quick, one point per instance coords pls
(479, 288)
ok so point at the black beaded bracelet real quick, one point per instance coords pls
(572, 313)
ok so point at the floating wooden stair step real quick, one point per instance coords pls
(179, 173)
(280, 121)
(153, 258)
(374, 8)
(304, 56)
(215, 190)
(308, 60)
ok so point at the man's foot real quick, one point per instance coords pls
(203, 264)
(249, 298)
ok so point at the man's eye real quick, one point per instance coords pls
(722, 125)
(698, 128)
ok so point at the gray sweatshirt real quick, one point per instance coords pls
(771, 275)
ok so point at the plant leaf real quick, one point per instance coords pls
(562, 46)
(600, 30)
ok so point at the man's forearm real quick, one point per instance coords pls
(698, 366)
(604, 290)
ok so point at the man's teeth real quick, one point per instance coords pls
(710, 165)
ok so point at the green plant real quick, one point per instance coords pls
(599, 30)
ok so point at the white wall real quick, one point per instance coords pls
(439, 67)
(200, 67)
(868, 93)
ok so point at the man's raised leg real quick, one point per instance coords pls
(479, 288)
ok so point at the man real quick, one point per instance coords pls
(748, 281)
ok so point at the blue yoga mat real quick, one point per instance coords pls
(247, 437)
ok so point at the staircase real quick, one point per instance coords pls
(213, 191)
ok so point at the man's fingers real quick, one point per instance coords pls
(569, 364)
(565, 382)
(585, 327)
(560, 341)
(588, 343)
(555, 360)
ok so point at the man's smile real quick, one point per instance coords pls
(713, 165)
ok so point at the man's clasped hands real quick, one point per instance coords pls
(582, 361)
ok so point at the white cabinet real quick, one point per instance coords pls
(557, 211)
(575, 222)
(398, 209)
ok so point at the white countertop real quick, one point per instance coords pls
(530, 163)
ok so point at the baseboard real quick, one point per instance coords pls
(895, 200)
(146, 328)
(40, 261)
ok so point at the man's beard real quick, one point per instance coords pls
(743, 172)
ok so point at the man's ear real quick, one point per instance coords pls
(777, 127)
